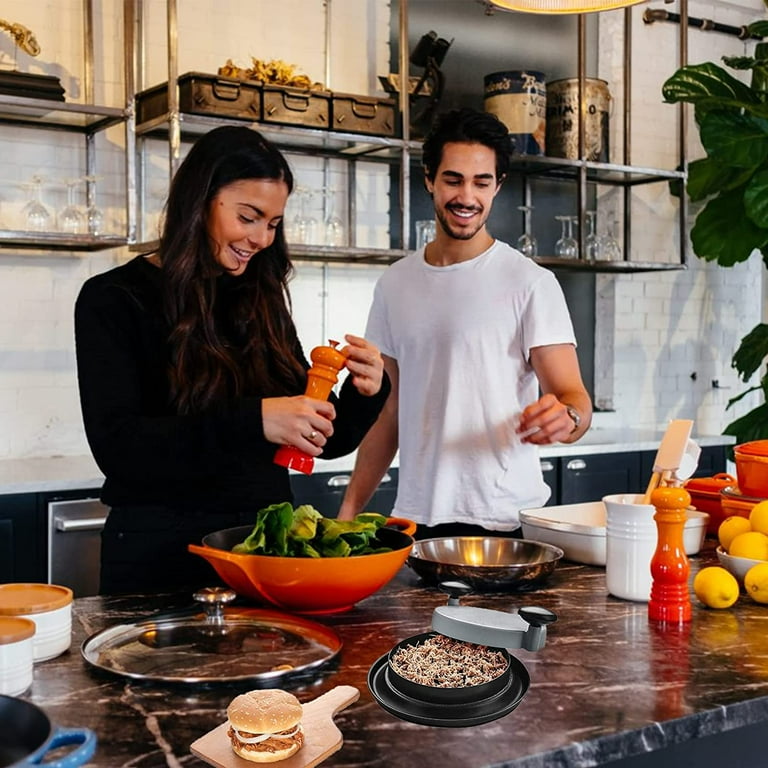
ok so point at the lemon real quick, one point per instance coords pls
(752, 544)
(758, 517)
(756, 582)
(716, 587)
(731, 527)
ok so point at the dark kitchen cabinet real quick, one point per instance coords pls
(591, 476)
(325, 490)
(22, 539)
(549, 469)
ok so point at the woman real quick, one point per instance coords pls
(191, 373)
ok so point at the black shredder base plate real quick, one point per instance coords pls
(447, 715)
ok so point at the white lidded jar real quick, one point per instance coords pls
(49, 606)
(16, 654)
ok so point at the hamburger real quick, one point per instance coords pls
(265, 725)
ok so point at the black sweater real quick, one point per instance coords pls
(149, 454)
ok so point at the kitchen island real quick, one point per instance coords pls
(607, 688)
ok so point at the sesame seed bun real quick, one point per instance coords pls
(271, 711)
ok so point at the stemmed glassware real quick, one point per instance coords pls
(304, 225)
(592, 242)
(567, 247)
(94, 216)
(526, 243)
(70, 219)
(610, 250)
(38, 217)
(335, 233)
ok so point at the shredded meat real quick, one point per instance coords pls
(441, 662)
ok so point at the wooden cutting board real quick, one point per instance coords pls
(321, 736)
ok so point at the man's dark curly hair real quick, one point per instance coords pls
(467, 125)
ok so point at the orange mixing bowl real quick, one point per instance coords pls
(752, 468)
(311, 585)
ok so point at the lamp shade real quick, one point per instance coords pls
(562, 6)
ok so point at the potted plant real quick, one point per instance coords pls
(732, 119)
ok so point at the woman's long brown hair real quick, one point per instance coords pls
(229, 336)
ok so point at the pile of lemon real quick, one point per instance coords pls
(740, 537)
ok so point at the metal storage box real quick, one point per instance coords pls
(296, 106)
(363, 114)
(205, 95)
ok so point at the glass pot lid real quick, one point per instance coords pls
(215, 644)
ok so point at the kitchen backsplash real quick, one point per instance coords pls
(662, 339)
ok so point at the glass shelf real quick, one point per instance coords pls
(58, 115)
(58, 241)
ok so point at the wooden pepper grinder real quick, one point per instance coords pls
(670, 600)
(324, 373)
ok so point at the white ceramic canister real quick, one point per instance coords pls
(49, 606)
(16, 654)
(630, 544)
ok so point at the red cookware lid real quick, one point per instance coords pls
(754, 448)
(711, 485)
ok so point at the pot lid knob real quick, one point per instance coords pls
(214, 599)
(455, 590)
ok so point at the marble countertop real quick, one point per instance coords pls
(607, 686)
(62, 473)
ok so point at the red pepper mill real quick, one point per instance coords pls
(670, 600)
(324, 373)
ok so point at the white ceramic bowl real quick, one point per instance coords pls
(738, 566)
(579, 530)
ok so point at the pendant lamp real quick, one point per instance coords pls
(561, 6)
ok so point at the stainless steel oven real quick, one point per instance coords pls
(74, 544)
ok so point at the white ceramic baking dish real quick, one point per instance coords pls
(579, 530)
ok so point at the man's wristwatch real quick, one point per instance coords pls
(575, 417)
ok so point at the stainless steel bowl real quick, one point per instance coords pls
(486, 563)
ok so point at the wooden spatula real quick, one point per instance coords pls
(670, 454)
(321, 736)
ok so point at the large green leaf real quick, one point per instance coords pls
(734, 139)
(723, 232)
(708, 176)
(756, 198)
(752, 350)
(751, 426)
(704, 84)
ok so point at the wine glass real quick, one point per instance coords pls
(610, 250)
(526, 243)
(94, 216)
(70, 219)
(335, 233)
(38, 216)
(592, 242)
(566, 247)
(304, 225)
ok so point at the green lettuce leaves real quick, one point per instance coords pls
(283, 531)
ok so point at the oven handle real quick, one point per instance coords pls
(66, 524)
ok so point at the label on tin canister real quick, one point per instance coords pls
(519, 99)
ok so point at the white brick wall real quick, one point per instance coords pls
(667, 325)
(674, 333)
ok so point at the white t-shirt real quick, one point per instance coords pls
(462, 337)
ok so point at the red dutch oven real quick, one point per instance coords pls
(27, 736)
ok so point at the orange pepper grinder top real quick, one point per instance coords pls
(327, 361)
(670, 599)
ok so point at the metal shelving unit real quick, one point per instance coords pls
(87, 119)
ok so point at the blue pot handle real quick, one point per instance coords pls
(85, 737)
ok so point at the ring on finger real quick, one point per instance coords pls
(312, 435)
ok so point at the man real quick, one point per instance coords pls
(470, 331)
